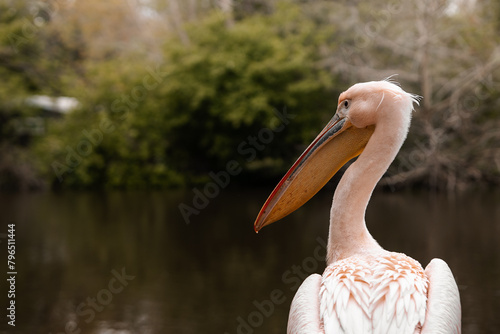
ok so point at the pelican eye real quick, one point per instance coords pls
(346, 103)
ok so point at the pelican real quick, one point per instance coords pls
(364, 288)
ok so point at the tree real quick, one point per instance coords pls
(170, 91)
(215, 99)
(19, 124)
(447, 53)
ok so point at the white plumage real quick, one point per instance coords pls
(364, 289)
(379, 294)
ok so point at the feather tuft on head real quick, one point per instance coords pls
(414, 97)
(391, 80)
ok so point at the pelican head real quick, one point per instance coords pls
(361, 110)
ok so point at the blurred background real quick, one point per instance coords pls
(146, 134)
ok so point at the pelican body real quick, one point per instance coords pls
(364, 288)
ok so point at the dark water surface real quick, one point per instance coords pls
(128, 262)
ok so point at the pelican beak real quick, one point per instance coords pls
(336, 144)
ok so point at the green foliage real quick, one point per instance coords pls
(18, 45)
(171, 124)
(251, 85)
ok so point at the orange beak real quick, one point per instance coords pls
(337, 143)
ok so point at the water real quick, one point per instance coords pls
(128, 262)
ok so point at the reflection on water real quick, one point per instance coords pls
(128, 263)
